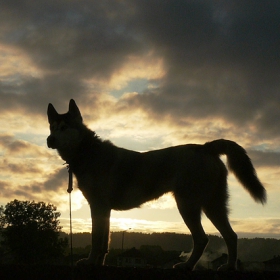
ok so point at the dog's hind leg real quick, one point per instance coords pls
(218, 216)
(192, 217)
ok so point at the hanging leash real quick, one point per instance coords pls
(69, 190)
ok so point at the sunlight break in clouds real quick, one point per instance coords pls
(147, 67)
(166, 201)
(14, 63)
(147, 226)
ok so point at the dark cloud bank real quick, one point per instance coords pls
(221, 57)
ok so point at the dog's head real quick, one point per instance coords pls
(65, 134)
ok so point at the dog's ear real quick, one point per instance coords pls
(52, 114)
(74, 111)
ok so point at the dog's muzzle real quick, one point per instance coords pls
(51, 142)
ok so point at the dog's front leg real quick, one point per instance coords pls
(100, 236)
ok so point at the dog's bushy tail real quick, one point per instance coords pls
(240, 164)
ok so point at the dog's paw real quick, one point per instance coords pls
(84, 262)
(182, 265)
(96, 260)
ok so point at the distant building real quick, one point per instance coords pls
(273, 264)
(131, 258)
(253, 266)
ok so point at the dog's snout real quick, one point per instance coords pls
(51, 142)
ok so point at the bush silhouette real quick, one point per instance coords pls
(30, 232)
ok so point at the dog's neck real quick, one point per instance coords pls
(88, 147)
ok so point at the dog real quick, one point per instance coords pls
(114, 178)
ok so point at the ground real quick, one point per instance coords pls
(65, 272)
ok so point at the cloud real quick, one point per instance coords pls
(145, 74)
(27, 170)
(12, 145)
(166, 201)
(220, 63)
(66, 43)
(21, 161)
(19, 168)
(269, 225)
(16, 148)
(138, 225)
(219, 57)
(56, 180)
(265, 158)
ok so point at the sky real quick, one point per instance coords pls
(146, 74)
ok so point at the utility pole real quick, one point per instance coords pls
(123, 237)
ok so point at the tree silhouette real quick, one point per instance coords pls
(30, 232)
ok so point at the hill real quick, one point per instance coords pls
(253, 249)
